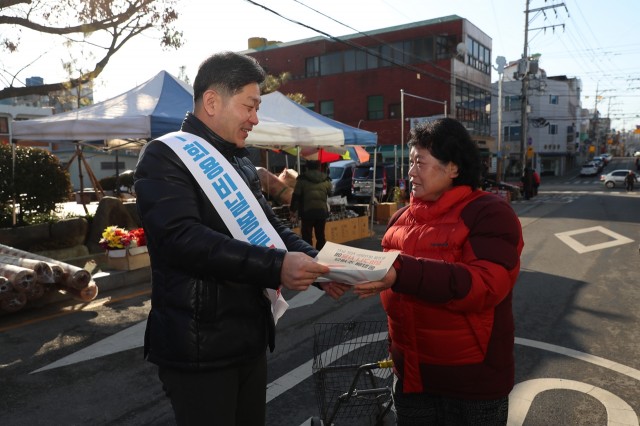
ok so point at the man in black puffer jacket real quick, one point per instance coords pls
(210, 321)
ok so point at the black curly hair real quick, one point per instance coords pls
(448, 141)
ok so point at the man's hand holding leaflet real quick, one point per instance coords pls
(352, 265)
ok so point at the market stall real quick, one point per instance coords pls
(285, 124)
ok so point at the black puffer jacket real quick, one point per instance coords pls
(209, 307)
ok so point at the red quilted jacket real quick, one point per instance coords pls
(451, 326)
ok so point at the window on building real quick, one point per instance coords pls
(326, 108)
(423, 49)
(386, 53)
(312, 67)
(331, 63)
(398, 53)
(445, 46)
(375, 107)
(310, 105)
(478, 55)
(372, 58)
(473, 107)
(511, 133)
(553, 99)
(553, 129)
(513, 103)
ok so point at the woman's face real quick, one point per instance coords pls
(429, 177)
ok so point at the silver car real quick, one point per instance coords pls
(616, 178)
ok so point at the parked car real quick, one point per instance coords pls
(341, 175)
(514, 190)
(616, 178)
(363, 181)
(607, 157)
(589, 169)
(599, 162)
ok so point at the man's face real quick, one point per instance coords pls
(234, 117)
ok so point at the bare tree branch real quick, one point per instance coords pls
(121, 20)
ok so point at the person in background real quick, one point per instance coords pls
(309, 201)
(211, 320)
(629, 180)
(536, 182)
(448, 295)
(528, 182)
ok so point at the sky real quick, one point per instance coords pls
(593, 40)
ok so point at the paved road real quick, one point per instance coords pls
(575, 307)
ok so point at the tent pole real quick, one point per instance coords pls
(266, 162)
(298, 157)
(13, 181)
(79, 159)
(373, 191)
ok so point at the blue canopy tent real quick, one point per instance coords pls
(149, 110)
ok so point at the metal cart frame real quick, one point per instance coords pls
(351, 372)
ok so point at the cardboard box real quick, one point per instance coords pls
(384, 211)
(128, 260)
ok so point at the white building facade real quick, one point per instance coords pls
(553, 123)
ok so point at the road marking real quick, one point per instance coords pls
(583, 356)
(566, 237)
(523, 394)
(305, 298)
(618, 411)
(133, 337)
(129, 338)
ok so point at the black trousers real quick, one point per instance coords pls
(233, 396)
(314, 225)
(421, 409)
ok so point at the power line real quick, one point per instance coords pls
(354, 45)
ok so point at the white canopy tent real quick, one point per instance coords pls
(285, 123)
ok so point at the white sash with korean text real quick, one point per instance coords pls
(230, 196)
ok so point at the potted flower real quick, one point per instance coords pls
(126, 249)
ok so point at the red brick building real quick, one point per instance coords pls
(357, 79)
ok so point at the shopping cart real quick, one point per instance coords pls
(351, 372)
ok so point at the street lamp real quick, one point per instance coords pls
(402, 94)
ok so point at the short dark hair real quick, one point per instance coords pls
(448, 141)
(313, 165)
(228, 73)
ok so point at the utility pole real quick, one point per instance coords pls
(501, 61)
(524, 65)
(523, 70)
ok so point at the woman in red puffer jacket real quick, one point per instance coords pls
(448, 295)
